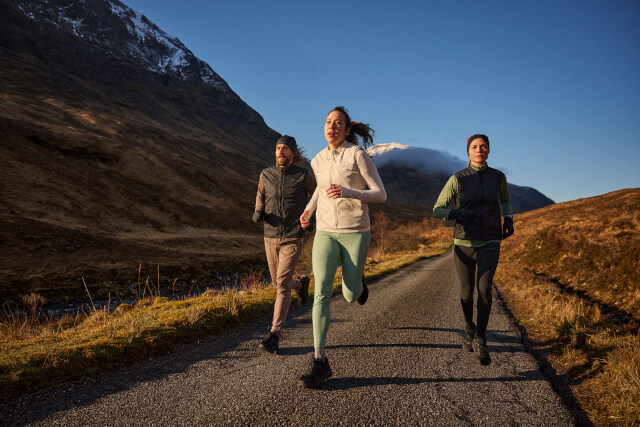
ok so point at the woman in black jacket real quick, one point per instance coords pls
(481, 197)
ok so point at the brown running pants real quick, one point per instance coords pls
(282, 256)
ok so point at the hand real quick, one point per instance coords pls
(304, 221)
(463, 216)
(258, 216)
(334, 191)
(507, 227)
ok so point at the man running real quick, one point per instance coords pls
(283, 191)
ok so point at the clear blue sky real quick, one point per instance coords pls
(555, 84)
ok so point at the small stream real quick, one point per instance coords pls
(168, 289)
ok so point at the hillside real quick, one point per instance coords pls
(588, 245)
(107, 163)
(570, 276)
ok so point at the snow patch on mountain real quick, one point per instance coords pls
(379, 149)
(421, 159)
(151, 47)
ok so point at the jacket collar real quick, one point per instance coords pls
(476, 168)
(285, 169)
(339, 150)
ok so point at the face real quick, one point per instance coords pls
(284, 155)
(478, 152)
(335, 130)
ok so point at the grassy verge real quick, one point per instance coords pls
(600, 359)
(77, 346)
(36, 354)
(570, 276)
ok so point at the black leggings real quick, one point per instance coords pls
(485, 259)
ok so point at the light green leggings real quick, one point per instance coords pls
(328, 249)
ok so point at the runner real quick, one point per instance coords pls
(347, 180)
(481, 196)
(282, 195)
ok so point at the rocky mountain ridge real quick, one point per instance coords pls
(119, 31)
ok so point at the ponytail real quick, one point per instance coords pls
(358, 130)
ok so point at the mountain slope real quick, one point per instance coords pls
(107, 161)
(590, 245)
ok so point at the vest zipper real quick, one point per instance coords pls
(481, 198)
(282, 204)
(335, 201)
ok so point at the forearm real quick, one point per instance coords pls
(505, 203)
(313, 202)
(442, 213)
(506, 209)
(447, 194)
(260, 196)
(376, 192)
(310, 183)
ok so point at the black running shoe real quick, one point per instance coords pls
(270, 345)
(467, 341)
(480, 347)
(303, 293)
(365, 293)
(320, 371)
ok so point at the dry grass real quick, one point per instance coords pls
(39, 353)
(591, 245)
(46, 352)
(570, 276)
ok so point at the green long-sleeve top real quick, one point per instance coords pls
(449, 193)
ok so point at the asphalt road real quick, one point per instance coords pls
(396, 360)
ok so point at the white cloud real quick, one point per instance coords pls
(421, 159)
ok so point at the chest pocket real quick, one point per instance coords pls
(349, 175)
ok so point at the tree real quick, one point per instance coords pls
(381, 224)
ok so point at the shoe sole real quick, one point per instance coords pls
(266, 350)
(307, 384)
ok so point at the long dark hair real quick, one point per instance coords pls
(360, 134)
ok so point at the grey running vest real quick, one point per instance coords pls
(285, 197)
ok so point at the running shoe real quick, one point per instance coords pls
(365, 293)
(480, 348)
(303, 293)
(320, 371)
(270, 344)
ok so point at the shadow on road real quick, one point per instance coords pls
(345, 383)
(492, 348)
(177, 361)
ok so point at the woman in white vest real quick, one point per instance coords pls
(347, 180)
